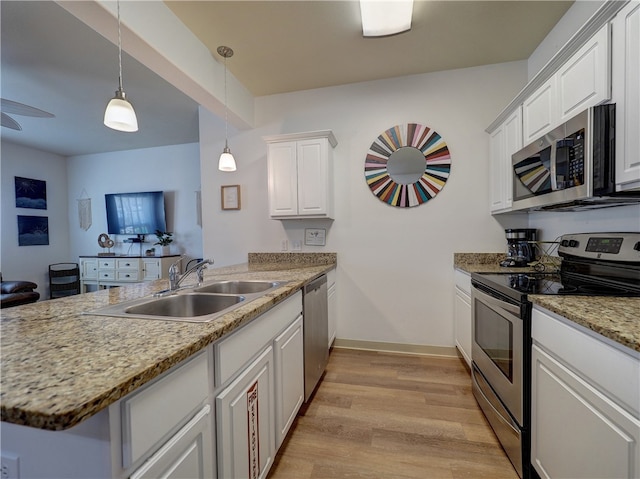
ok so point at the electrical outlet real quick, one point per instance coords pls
(296, 245)
(10, 466)
(285, 245)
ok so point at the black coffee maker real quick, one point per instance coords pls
(521, 247)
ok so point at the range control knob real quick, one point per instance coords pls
(573, 244)
(564, 243)
(636, 247)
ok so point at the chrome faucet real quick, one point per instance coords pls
(175, 279)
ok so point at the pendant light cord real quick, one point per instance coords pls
(226, 114)
(119, 48)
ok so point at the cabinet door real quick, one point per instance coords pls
(245, 422)
(540, 111)
(283, 179)
(503, 143)
(496, 173)
(188, 454)
(289, 377)
(462, 312)
(151, 269)
(313, 177)
(585, 79)
(626, 95)
(89, 268)
(576, 430)
(332, 307)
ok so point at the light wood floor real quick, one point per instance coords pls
(381, 415)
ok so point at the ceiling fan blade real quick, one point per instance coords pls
(9, 122)
(8, 106)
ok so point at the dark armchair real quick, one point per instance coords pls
(15, 293)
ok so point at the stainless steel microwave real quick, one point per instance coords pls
(572, 167)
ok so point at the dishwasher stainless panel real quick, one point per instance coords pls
(316, 333)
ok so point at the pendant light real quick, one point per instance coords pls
(120, 114)
(227, 162)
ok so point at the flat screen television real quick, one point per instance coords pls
(135, 213)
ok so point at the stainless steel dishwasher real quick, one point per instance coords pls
(316, 333)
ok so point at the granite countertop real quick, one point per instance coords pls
(615, 318)
(60, 366)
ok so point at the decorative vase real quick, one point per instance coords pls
(163, 250)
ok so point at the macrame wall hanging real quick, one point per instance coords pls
(84, 210)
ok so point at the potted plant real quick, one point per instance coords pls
(164, 240)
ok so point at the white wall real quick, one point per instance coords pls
(173, 169)
(395, 265)
(560, 34)
(31, 263)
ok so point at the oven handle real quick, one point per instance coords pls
(496, 303)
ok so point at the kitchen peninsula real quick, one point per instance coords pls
(64, 371)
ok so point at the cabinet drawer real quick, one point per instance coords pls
(150, 416)
(463, 281)
(102, 274)
(127, 264)
(127, 275)
(235, 351)
(107, 263)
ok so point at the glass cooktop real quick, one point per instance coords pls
(554, 283)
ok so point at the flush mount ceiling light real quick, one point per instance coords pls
(120, 114)
(385, 17)
(227, 162)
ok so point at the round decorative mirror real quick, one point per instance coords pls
(407, 165)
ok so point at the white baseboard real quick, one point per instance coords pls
(447, 351)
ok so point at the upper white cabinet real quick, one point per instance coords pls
(540, 111)
(581, 82)
(300, 174)
(504, 141)
(626, 95)
(585, 80)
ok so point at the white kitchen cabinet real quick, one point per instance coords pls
(585, 403)
(289, 377)
(245, 419)
(581, 82)
(626, 95)
(504, 142)
(540, 111)
(187, 455)
(585, 80)
(300, 175)
(332, 306)
(462, 314)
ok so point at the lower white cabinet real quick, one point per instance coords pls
(462, 314)
(245, 422)
(332, 306)
(584, 406)
(289, 377)
(188, 454)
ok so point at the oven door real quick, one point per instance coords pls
(497, 347)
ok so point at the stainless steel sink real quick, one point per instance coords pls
(238, 287)
(186, 305)
(200, 305)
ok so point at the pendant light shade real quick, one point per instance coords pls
(120, 114)
(226, 162)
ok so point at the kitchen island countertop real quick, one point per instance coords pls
(60, 366)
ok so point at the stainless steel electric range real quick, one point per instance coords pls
(593, 264)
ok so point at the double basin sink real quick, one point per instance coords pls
(199, 304)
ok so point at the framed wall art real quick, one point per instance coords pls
(33, 230)
(407, 165)
(230, 197)
(31, 193)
